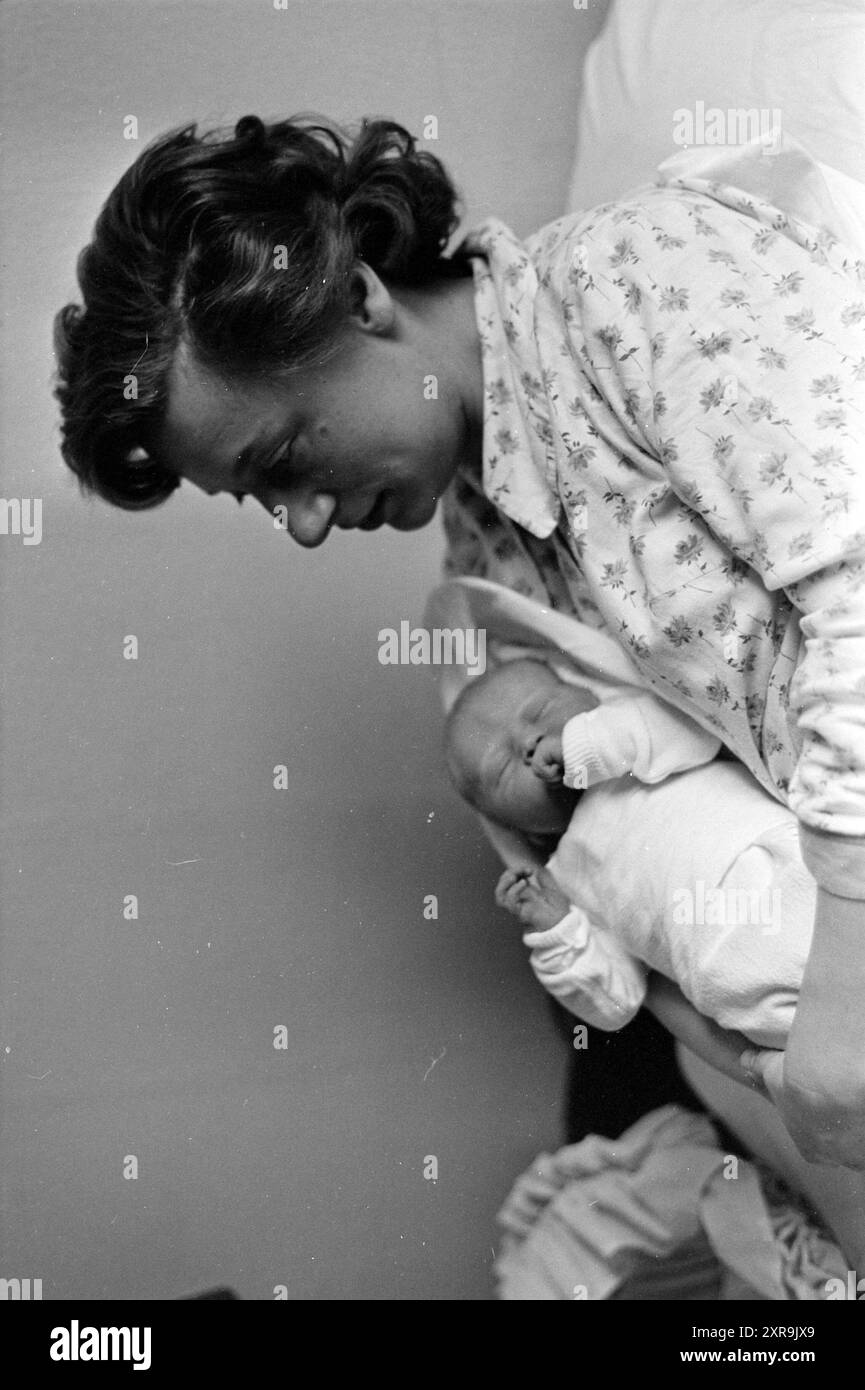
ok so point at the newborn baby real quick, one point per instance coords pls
(691, 870)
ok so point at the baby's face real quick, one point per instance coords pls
(494, 737)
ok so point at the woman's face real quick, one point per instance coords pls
(362, 441)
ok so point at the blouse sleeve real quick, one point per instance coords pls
(738, 365)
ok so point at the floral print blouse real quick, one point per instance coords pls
(674, 450)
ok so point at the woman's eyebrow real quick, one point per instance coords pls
(243, 464)
(246, 458)
(249, 457)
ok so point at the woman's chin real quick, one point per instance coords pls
(413, 517)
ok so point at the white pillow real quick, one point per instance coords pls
(803, 58)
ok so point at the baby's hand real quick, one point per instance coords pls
(548, 761)
(533, 896)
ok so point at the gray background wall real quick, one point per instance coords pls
(154, 1037)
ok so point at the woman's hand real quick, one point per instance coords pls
(533, 896)
(818, 1084)
(720, 1047)
(822, 1104)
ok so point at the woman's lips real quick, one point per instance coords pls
(375, 517)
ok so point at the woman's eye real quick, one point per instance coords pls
(279, 461)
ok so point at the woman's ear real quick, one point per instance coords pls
(372, 306)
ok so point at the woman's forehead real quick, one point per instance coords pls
(195, 394)
(211, 420)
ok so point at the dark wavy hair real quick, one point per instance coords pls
(185, 249)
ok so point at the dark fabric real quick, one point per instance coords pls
(619, 1077)
(211, 1295)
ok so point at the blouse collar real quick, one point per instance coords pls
(519, 458)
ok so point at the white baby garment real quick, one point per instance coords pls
(701, 878)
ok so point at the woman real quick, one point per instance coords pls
(271, 312)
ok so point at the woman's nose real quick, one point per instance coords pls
(308, 519)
